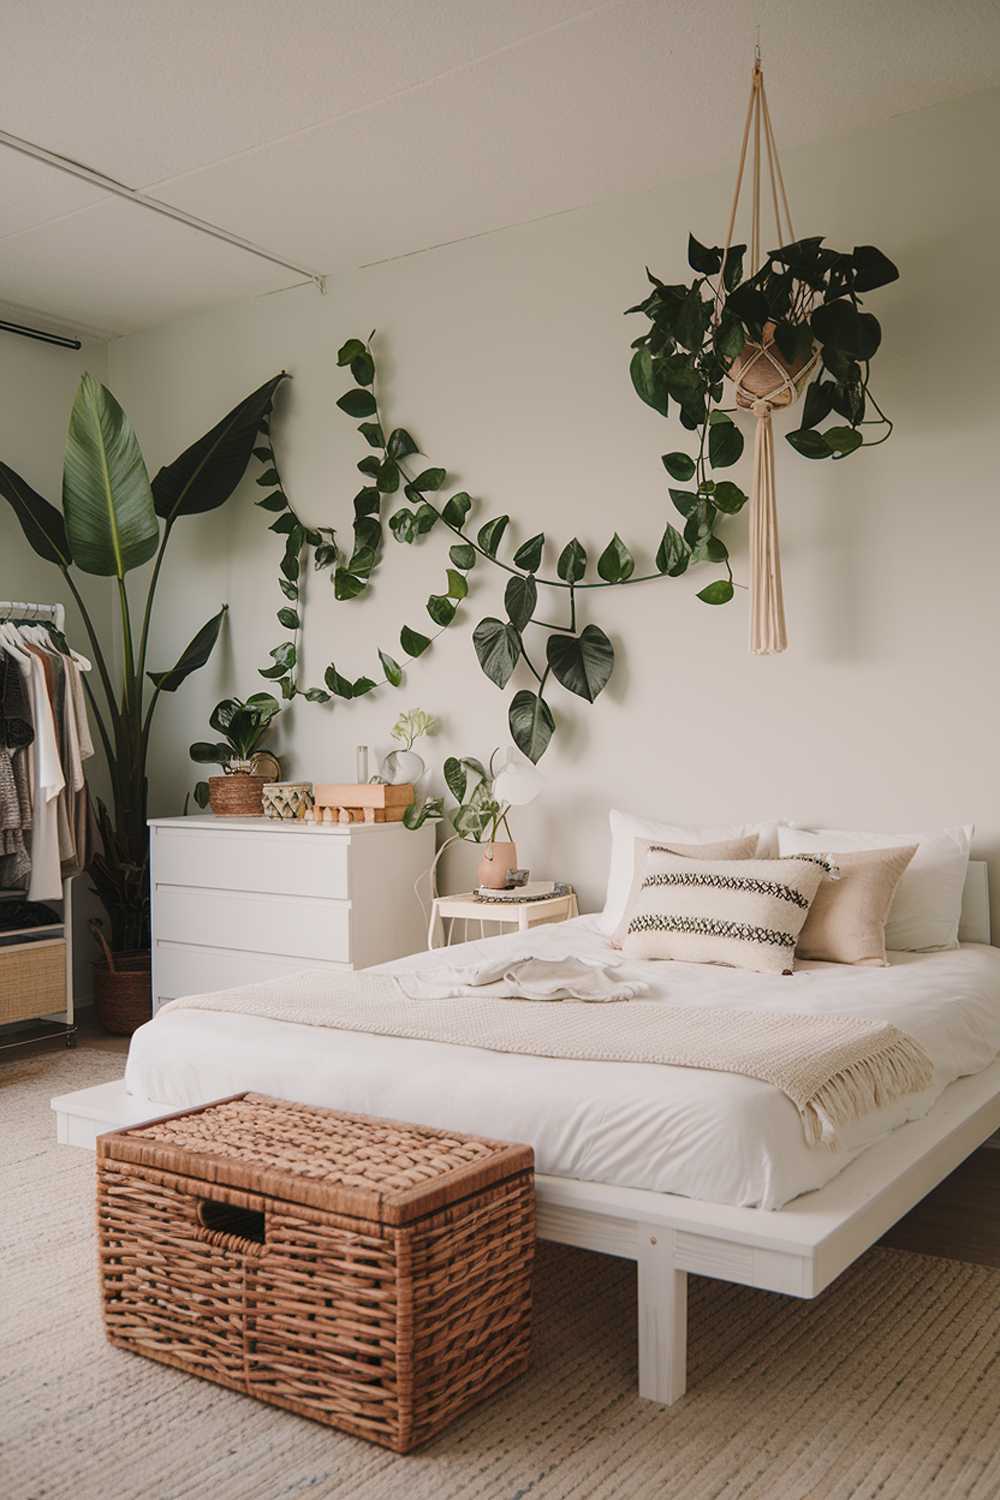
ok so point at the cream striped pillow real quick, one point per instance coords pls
(746, 913)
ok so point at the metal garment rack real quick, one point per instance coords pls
(52, 614)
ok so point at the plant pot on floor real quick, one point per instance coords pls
(496, 864)
(237, 796)
(123, 995)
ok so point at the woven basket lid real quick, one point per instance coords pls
(367, 1168)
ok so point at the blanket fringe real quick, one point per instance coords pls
(895, 1067)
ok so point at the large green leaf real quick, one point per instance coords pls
(725, 444)
(673, 553)
(42, 524)
(207, 473)
(107, 501)
(456, 778)
(529, 555)
(616, 562)
(194, 655)
(520, 598)
(498, 647)
(531, 724)
(572, 564)
(582, 663)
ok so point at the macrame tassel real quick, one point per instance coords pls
(767, 604)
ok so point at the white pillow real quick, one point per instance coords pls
(626, 828)
(927, 906)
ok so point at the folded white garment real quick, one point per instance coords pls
(566, 977)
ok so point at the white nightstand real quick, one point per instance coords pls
(517, 914)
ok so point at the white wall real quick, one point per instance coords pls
(38, 382)
(507, 357)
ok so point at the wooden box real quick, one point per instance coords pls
(372, 1275)
(371, 801)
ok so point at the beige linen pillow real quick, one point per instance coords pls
(742, 848)
(746, 913)
(846, 922)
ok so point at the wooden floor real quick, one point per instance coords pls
(959, 1220)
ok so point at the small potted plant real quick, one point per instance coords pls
(404, 767)
(484, 797)
(238, 792)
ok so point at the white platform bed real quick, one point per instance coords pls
(655, 1164)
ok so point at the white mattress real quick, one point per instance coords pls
(707, 1135)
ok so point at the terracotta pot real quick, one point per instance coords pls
(496, 864)
(123, 997)
(237, 796)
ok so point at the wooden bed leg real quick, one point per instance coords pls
(662, 1319)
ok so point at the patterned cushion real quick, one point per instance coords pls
(746, 913)
(740, 848)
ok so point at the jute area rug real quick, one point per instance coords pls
(887, 1386)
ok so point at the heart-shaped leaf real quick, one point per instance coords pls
(729, 497)
(441, 609)
(387, 477)
(372, 434)
(531, 724)
(455, 778)
(648, 381)
(463, 555)
(679, 466)
(818, 403)
(725, 444)
(400, 444)
(358, 403)
(457, 585)
(412, 642)
(871, 268)
(529, 555)
(456, 509)
(842, 440)
(703, 260)
(347, 585)
(491, 535)
(616, 562)
(393, 671)
(572, 564)
(349, 350)
(719, 592)
(809, 443)
(363, 368)
(430, 479)
(583, 663)
(338, 684)
(673, 553)
(498, 647)
(520, 598)
(290, 619)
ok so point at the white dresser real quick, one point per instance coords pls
(235, 900)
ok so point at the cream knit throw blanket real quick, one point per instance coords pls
(834, 1069)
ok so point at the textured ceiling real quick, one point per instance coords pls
(339, 132)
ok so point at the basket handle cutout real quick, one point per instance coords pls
(242, 1223)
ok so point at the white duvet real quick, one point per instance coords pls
(714, 1136)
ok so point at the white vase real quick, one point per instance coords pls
(403, 768)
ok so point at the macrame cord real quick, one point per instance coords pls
(762, 379)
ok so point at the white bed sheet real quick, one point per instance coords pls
(714, 1136)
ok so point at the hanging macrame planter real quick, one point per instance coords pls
(791, 324)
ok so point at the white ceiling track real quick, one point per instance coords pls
(154, 205)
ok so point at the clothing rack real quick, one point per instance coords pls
(15, 947)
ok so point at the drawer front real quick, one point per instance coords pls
(32, 980)
(300, 926)
(184, 970)
(292, 863)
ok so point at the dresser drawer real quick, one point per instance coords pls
(181, 969)
(301, 926)
(296, 863)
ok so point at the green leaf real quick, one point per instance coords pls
(290, 590)
(809, 443)
(583, 663)
(425, 518)
(455, 778)
(456, 509)
(363, 368)
(317, 695)
(268, 478)
(491, 535)
(284, 525)
(201, 793)
(362, 562)
(205, 754)
(498, 647)
(43, 526)
(529, 555)
(429, 479)
(725, 444)
(347, 585)
(572, 564)
(520, 598)
(679, 466)
(818, 403)
(412, 642)
(290, 619)
(207, 473)
(699, 522)
(271, 673)
(684, 501)
(842, 440)
(441, 609)
(647, 381)
(692, 320)
(358, 403)
(463, 555)
(400, 444)
(107, 500)
(457, 584)
(403, 526)
(361, 685)
(390, 666)
(729, 497)
(615, 563)
(719, 592)
(194, 655)
(673, 553)
(273, 502)
(290, 567)
(387, 477)
(871, 268)
(531, 724)
(367, 502)
(372, 434)
(706, 262)
(338, 684)
(351, 350)
(732, 271)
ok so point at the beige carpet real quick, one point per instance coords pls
(888, 1386)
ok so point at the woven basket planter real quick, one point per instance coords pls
(123, 996)
(367, 1274)
(237, 796)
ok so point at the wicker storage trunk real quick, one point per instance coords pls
(368, 1274)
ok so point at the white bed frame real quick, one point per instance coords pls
(799, 1250)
